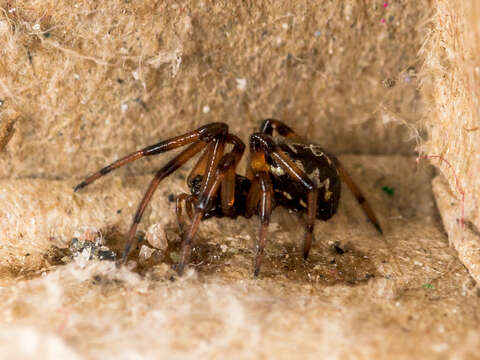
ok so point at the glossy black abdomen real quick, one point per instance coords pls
(312, 160)
(321, 170)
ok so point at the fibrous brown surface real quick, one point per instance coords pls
(94, 81)
(360, 295)
(84, 83)
(451, 87)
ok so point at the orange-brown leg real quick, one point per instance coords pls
(214, 168)
(253, 198)
(311, 216)
(265, 211)
(268, 125)
(204, 202)
(346, 178)
(205, 133)
(199, 168)
(184, 201)
(161, 174)
(261, 144)
(227, 192)
(259, 199)
(209, 184)
(179, 200)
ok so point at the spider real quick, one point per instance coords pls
(291, 172)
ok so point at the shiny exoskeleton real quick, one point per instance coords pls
(285, 171)
(317, 164)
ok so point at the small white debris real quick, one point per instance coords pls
(76, 76)
(224, 248)
(440, 347)
(124, 107)
(206, 109)
(156, 237)
(12, 10)
(36, 27)
(386, 118)
(4, 28)
(146, 252)
(285, 26)
(241, 84)
(135, 75)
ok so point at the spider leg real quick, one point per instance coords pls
(253, 198)
(265, 213)
(203, 203)
(182, 199)
(268, 125)
(262, 144)
(214, 150)
(228, 185)
(189, 205)
(199, 168)
(189, 202)
(227, 191)
(205, 133)
(347, 179)
(209, 183)
(166, 170)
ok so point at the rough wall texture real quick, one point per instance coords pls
(451, 87)
(95, 81)
(83, 83)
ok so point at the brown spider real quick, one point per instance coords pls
(292, 173)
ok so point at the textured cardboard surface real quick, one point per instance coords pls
(464, 239)
(450, 87)
(84, 83)
(94, 81)
(403, 295)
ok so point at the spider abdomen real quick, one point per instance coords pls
(320, 168)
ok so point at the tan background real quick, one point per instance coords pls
(112, 77)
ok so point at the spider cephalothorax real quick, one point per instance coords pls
(288, 172)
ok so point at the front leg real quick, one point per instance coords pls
(262, 144)
(260, 199)
(265, 212)
(204, 203)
